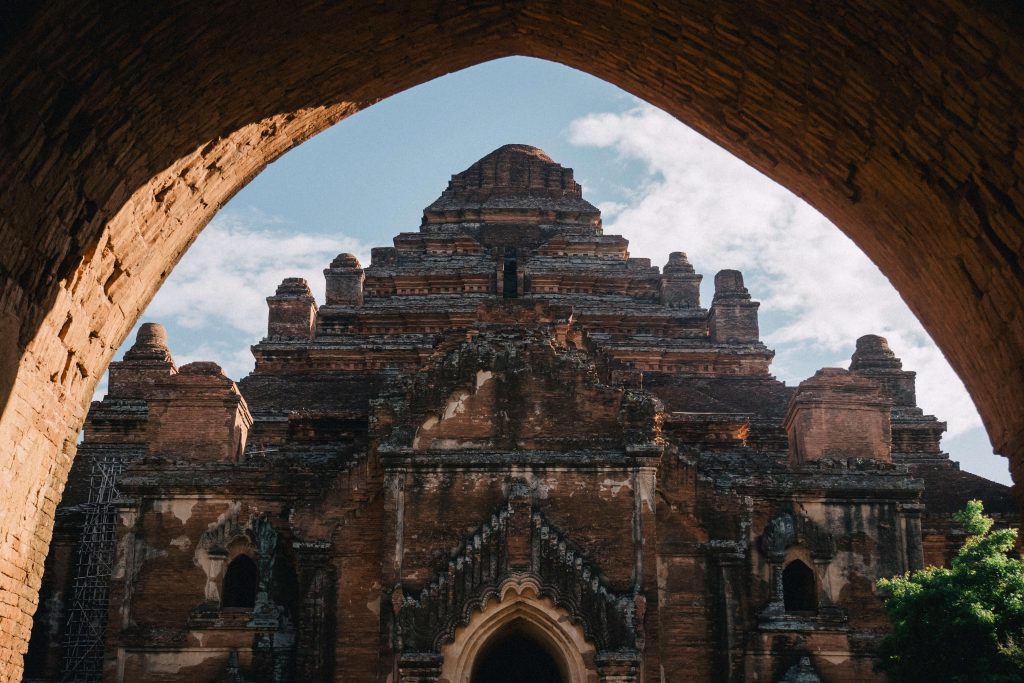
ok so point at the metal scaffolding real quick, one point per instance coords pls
(90, 595)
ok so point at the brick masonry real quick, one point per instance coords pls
(124, 129)
(502, 419)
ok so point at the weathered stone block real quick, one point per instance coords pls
(292, 310)
(733, 316)
(199, 414)
(344, 281)
(837, 414)
(680, 286)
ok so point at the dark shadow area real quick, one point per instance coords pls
(515, 658)
(240, 583)
(798, 588)
(511, 282)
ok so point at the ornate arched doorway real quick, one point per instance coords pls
(516, 625)
(518, 583)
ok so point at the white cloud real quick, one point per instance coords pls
(610, 210)
(818, 291)
(234, 358)
(214, 302)
(235, 264)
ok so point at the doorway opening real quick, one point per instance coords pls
(510, 288)
(514, 656)
(241, 583)
(799, 588)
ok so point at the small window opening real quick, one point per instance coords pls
(240, 583)
(799, 588)
(511, 281)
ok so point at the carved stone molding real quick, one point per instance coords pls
(785, 530)
(518, 543)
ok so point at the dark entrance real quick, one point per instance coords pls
(799, 589)
(515, 658)
(241, 583)
(510, 285)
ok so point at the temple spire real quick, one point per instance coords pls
(515, 185)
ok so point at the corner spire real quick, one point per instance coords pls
(150, 344)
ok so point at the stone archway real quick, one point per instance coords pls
(519, 606)
(126, 126)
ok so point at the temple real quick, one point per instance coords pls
(505, 449)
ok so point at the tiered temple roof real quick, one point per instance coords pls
(511, 372)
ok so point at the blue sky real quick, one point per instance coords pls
(657, 182)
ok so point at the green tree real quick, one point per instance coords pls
(964, 623)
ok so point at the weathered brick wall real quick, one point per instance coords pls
(868, 546)
(198, 413)
(125, 128)
(358, 554)
(163, 574)
(592, 508)
(838, 414)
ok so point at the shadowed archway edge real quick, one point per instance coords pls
(125, 126)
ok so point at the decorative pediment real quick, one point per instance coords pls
(518, 544)
(257, 532)
(515, 388)
(785, 530)
(779, 534)
(221, 533)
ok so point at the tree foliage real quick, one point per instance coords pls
(964, 623)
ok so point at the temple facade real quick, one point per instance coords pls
(504, 450)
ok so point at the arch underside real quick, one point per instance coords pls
(125, 127)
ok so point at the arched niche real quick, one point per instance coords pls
(126, 127)
(520, 609)
(799, 587)
(241, 583)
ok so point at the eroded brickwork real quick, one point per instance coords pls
(125, 128)
(503, 423)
